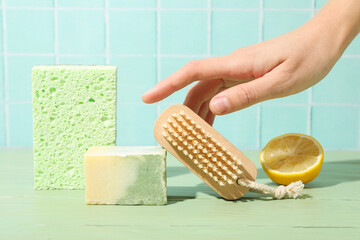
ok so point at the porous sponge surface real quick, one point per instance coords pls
(74, 108)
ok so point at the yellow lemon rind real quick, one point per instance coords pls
(286, 178)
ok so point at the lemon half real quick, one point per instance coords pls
(292, 157)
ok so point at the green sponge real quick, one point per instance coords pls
(74, 108)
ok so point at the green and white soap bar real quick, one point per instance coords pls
(74, 108)
(125, 175)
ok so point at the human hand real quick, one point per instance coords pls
(275, 68)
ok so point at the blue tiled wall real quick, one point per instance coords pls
(132, 32)
(150, 39)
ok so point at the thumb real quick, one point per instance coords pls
(244, 95)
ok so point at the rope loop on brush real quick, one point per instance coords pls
(292, 190)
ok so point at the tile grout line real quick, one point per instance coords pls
(263, 105)
(161, 9)
(288, 9)
(107, 32)
(310, 97)
(261, 38)
(359, 129)
(20, 102)
(259, 127)
(351, 56)
(209, 35)
(6, 105)
(56, 53)
(267, 104)
(209, 28)
(314, 104)
(157, 51)
(261, 21)
(243, 149)
(337, 104)
(342, 149)
(129, 55)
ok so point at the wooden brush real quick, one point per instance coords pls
(210, 155)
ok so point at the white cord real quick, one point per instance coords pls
(290, 191)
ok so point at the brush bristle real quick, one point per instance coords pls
(210, 156)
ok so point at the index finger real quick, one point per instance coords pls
(205, 69)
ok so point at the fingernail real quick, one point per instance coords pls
(220, 105)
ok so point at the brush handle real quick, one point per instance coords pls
(247, 167)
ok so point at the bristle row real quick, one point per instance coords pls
(198, 158)
(210, 142)
(194, 142)
(203, 135)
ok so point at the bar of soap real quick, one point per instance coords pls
(125, 175)
(74, 108)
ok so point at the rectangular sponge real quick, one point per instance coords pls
(126, 175)
(74, 108)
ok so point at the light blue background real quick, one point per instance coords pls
(150, 39)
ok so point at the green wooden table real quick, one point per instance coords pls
(194, 211)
